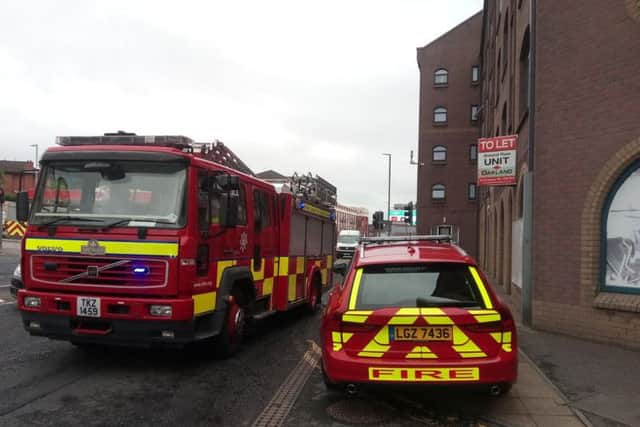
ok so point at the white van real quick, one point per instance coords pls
(347, 243)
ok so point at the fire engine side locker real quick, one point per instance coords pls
(307, 239)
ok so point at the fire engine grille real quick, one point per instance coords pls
(99, 271)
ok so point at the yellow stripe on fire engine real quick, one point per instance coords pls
(283, 266)
(111, 247)
(258, 274)
(300, 265)
(481, 288)
(203, 303)
(291, 294)
(267, 286)
(355, 289)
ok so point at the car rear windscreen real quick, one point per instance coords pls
(417, 285)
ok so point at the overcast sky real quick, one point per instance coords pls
(294, 86)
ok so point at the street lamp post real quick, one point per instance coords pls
(389, 188)
(35, 165)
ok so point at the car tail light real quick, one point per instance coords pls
(506, 318)
(505, 324)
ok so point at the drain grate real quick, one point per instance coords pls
(280, 405)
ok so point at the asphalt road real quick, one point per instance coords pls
(52, 383)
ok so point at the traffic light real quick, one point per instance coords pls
(408, 213)
(378, 220)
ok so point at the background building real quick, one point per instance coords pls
(352, 218)
(565, 79)
(448, 131)
(10, 172)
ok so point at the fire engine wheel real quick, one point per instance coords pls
(316, 296)
(230, 338)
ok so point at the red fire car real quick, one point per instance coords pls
(416, 310)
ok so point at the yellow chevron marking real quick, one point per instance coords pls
(408, 311)
(483, 291)
(487, 318)
(370, 354)
(497, 336)
(465, 346)
(353, 318)
(203, 303)
(439, 320)
(354, 290)
(421, 352)
(378, 345)
(403, 320)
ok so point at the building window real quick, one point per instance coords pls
(474, 113)
(621, 237)
(440, 115)
(473, 152)
(471, 192)
(441, 77)
(438, 192)
(439, 153)
(475, 74)
(523, 84)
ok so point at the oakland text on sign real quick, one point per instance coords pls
(497, 160)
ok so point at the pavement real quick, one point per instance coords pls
(597, 381)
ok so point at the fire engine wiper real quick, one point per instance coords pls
(444, 302)
(66, 218)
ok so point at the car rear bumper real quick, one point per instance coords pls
(341, 368)
(56, 319)
(345, 252)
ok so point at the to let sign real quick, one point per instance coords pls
(497, 160)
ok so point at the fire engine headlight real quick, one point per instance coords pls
(32, 302)
(161, 310)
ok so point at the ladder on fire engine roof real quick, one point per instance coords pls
(438, 238)
(308, 188)
(218, 152)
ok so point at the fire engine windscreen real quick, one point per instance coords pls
(417, 285)
(108, 191)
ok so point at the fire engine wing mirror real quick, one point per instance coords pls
(229, 207)
(228, 183)
(22, 206)
(340, 268)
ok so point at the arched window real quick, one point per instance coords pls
(441, 77)
(439, 153)
(621, 234)
(440, 115)
(438, 192)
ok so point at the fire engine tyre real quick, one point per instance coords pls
(230, 338)
(315, 298)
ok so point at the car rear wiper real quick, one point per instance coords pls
(444, 302)
(66, 218)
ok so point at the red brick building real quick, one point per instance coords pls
(10, 172)
(565, 79)
(448, 131)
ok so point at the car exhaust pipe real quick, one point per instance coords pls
(495, 390)
(351, 389)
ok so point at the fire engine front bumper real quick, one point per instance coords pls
(56, 318)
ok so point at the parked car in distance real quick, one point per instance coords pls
(347, 243)
(416, 310)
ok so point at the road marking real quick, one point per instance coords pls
(280, 405)
(4, 286)
(5, 302)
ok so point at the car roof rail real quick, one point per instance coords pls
(440, 238)
(380, 240)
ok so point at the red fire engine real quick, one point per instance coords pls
(144, 240)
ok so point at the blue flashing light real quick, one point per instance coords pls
(141, 271)
(301, 205)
